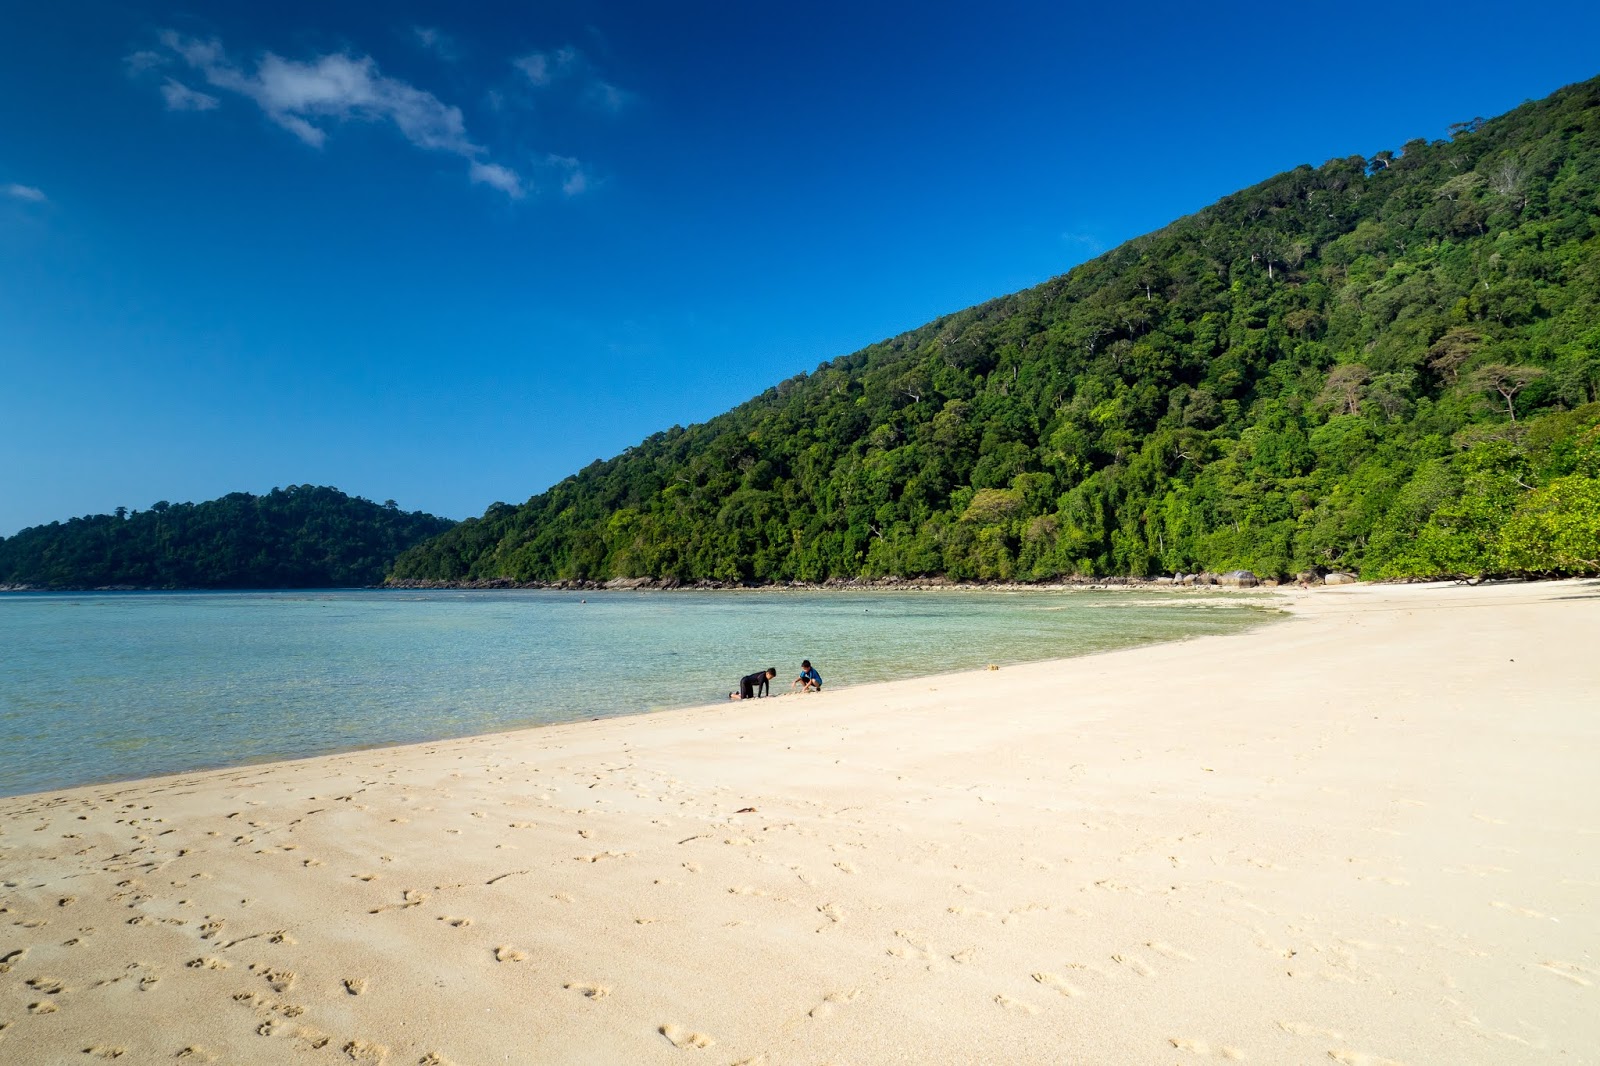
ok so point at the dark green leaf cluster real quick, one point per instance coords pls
(304, 536)
(1389, 365)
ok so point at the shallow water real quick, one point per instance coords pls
(106, 686)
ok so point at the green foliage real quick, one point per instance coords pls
(300, 537)
(1389, 365)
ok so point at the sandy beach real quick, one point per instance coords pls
(1368, 834)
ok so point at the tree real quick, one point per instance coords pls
(1506, 381)
(1450, 351)
(1345, 387)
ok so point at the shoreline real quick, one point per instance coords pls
(1367, 833)
(1260, 600)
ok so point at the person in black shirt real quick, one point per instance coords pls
(753, 684)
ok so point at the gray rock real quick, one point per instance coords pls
(1239, 579)
(1337, 578)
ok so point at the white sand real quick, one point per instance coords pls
(1370, 834)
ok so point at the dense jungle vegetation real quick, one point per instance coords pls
(1386, 364)
(303, 536)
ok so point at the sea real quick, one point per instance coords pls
(98, 687)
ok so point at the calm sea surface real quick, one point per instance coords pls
(106, 686)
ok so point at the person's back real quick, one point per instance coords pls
(751, 685)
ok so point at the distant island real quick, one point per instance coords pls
(1388, 365)
(303, 536)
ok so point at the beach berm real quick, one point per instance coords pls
(1368, 834)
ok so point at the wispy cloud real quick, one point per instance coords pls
(497, 177)
(140, 62)
(546, 68)
(305, 98)
(24, 192)
(542, 68)
(180, 97)
(574, 178)
(437, 41)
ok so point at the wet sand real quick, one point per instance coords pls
(1369, 834)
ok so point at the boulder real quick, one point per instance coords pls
(1164, 581)
(1337, 578)
(1205, 579)
(1239, 579)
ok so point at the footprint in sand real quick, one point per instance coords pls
(355, 985)
(42, 1007)
(1570, 970)
(1161, 947)
(832, 912)
(206, 962)
(911, 948)
(361, 1051)
(683, 1038)
(1134, 963)
(100, 1051)
(509, 954)
(965, 955)
(455, 923)
(196, 1053)
(1345, 1057)
(1057, 982)
(279, 981)
(1200, 1047)
(433, 1058)
(48, 985)
(831, 1001)
(588, 990)
(1019, 1005)
(409, 898)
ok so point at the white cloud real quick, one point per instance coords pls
(180, 97)
(497, 177)
(545, 68)
(604, 95)
(139, 62)
(438, 42)
(24, 192)
(542, 68)
(574, 179)
(305, 97)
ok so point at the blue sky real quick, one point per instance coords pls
(449, 254)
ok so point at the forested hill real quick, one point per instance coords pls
(1388, 364)
(303, 536)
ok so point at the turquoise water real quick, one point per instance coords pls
(107, 686)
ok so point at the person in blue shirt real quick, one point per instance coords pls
(809, 680)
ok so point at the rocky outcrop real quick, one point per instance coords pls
(1239, 579)
(1338, 578)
